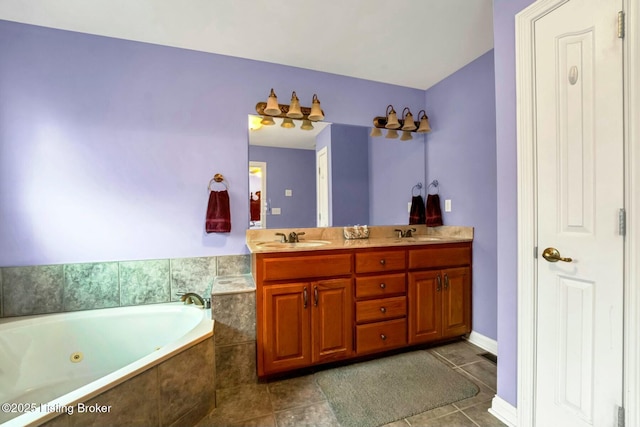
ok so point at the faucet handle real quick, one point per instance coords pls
(302, 233)
(408, 233)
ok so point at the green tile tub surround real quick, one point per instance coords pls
(90, 286)
(144, 282)
(193, 275)
(234, 265)
(32, 290)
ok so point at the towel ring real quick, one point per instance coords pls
(419, 187)
(220, 179)
(434, 184)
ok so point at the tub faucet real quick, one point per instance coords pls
(193, 298)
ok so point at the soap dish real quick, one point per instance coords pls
(356, 232)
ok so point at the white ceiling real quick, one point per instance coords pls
(413, 43)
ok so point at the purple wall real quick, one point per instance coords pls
(349, 175)
(107, 145)
(292, 169)
(394, 168)
(504, 12)
(461, 155)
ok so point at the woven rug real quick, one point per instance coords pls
(388, 389)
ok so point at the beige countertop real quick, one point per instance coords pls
(332, 238)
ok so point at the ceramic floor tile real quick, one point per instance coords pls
(459, 353)
(485, 394)
(481, 416)
(294, 392)
(456, 419)
(433, 413)
(400, 423)
(483, 370)
(318, 415)
(239, 404)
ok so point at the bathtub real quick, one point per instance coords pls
(50, 363)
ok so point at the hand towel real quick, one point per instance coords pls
(218, 212)
(434, 214)
(417, 214)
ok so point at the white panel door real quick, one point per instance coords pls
(579, 140)
(322, 183)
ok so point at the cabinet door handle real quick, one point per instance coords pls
(305, 297)
(383, 309)
(382, 286)
(382, 261)
(383, 337)
(446, 281)
(438, 283)
(315, 296)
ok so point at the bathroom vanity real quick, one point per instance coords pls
(327, 299)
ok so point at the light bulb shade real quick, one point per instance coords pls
(272, 108)
(376, 132)
(392, 119)
(408, 125)
(287, 123)
(424, 123)
(316, 112)
(294, 109)
(267, 121)
(306, 125)
(406, 136)
(392, 134)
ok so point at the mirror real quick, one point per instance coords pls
(323, 177)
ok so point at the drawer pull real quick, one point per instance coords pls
(383, 337)
(382, 261)
(383, 310)
(382, 286)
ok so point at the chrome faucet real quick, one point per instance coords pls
(193, 298)
(405, 233)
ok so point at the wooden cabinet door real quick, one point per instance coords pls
(286, 326)
(331, 319)
(425, 306)
(456, 301)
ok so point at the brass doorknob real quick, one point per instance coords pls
(553, 255)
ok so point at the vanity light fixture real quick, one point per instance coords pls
(407, 124)
(267, 121)
(406, 135)
(293, 111)
(424, 122)
(287, 123)
(306, 125)
(392, 134)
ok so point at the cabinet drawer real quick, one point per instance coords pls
(438, 256)
(381, 335)
(373, 262)
(381, 309)
(306, 267)
(380, 286)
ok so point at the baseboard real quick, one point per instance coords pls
(504, 411)
(483, 342)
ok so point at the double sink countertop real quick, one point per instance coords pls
(331, 238)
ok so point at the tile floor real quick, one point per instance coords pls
(299, 401)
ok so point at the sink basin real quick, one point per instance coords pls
(428, 238)
(302, 244)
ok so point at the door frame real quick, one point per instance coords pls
(527, 221)
(263, 191)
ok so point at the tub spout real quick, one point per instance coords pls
(193, 298)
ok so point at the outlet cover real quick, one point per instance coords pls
(447, 205)
(288, 193)
(275, 211)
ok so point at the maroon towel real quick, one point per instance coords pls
(434, 214)
(417, 215)
(218, 212)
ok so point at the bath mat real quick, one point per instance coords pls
(388, 389)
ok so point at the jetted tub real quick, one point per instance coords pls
(50, 363)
